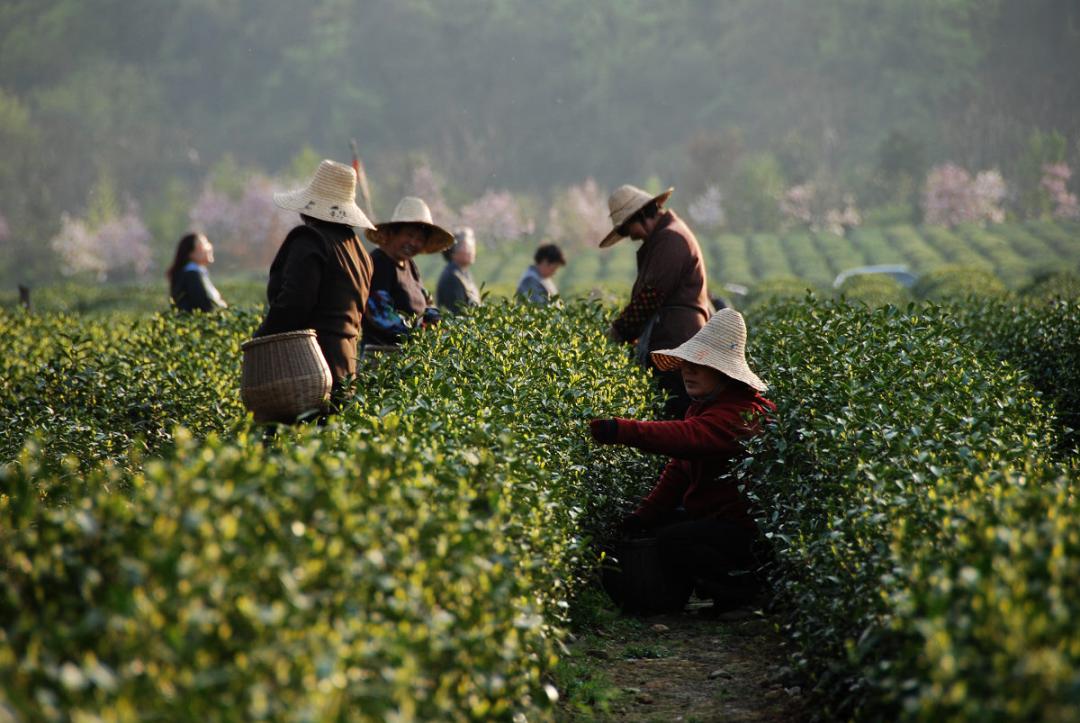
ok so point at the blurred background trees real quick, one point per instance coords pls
(514, 106)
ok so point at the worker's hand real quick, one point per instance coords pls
(604, 431)
(431, 317)
(632, 526)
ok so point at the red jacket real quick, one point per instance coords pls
(702, 447)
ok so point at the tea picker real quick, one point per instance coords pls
(319, 280)
(695, 529)
(398, 298)
(669, 301)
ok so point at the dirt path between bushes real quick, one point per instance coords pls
(688, 667)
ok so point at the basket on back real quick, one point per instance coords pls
(284, 376)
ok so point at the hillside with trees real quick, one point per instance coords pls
(107, 109)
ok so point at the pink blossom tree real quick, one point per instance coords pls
(76, 245)
(497, 216)
(989, 190)
(797, 202)
(951, 196)
(425, 183)
(841, 220)
(805, 205)
(1055, 179)
(707, 210)
(213, 214)
(579, 215)
(117, 247)
(247, 230)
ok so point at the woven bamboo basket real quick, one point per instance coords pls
(284, 376)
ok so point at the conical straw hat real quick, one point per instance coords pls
(413, 210)
(624, 203)
(331, 196)
(720, 344)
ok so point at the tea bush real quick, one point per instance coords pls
(913, 248)
(416, 557)
(780, 288)
(807, 261)
(925, 542)
(329, 578)
(1053, 285)
(413, 559)
(1043, 339)
(874, 290)
(74, 297)
(841, 252)
(958, 282)
(101, 388)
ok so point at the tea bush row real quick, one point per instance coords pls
(1042, 339)
(128, 298)
(927, 543)
(412, 559)
(101, 388)
(945, 284)
(1013, 252)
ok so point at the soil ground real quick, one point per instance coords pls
(687, 667)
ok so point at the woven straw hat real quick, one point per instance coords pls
(413, 210)
(624, 203)
(720, 344)
(331, 196)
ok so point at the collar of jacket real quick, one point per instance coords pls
(666, 219)
(399, 263)
(733, 392)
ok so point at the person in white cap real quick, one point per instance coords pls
(701, 520)
(669, 301)
(456, 288)
(410, 231)
(320, 277)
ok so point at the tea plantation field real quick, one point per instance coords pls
(419, 557)
(1015, 253)
(986, 261)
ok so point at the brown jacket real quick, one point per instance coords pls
(319, 280)
(671, 283)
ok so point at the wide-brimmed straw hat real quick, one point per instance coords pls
(413, 210)
(331, 196)
(624, 203)
(720, 344)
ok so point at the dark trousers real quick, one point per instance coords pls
(340, 355)
(658, 573)
(707, 549)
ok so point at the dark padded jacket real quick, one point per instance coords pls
(192, 290)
